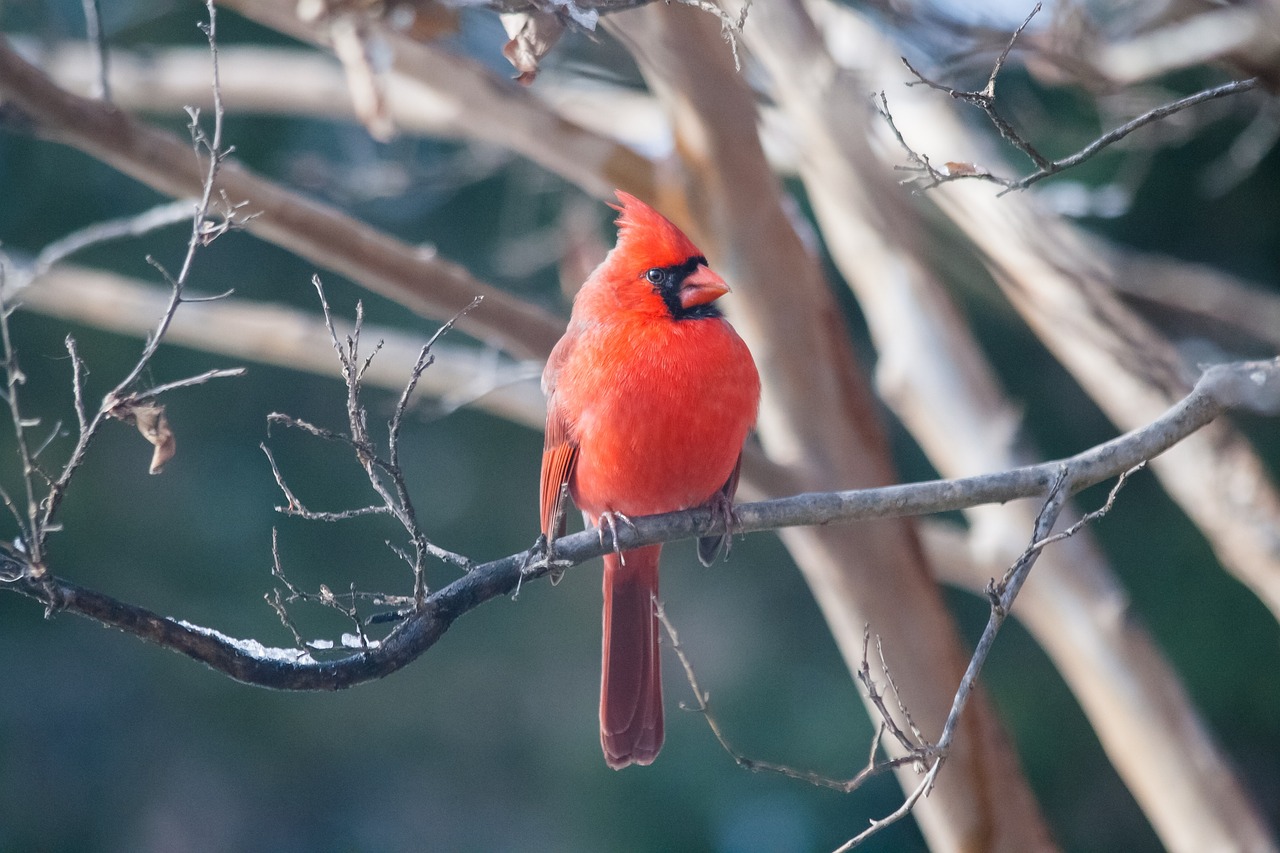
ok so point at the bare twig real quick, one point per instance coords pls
(914, 743)
(984, 99)
(871, 769)
(1086, 519)
(77, 383)
(925, 785)
(29, 524)
(198, 379)
(1001, 596)
(274, 598)
(44, 498)
(385, 475)
(295, 507)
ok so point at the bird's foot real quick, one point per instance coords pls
(542, 560)
(610, 519)
(710, 547)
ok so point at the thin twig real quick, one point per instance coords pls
(985, 100)
(97, 48)
(29, 528)
(871, 769)
(917, 748)
(199, 237)
(295, 507)
(77, 384)
(198, 379)
(925, 785)
(1163, 111)
(1001, 596)
(137, 225)
(385, 476)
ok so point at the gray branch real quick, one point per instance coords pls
(1244, 386)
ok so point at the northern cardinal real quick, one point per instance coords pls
(650, 395)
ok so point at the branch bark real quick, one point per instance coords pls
(935, 377)
(1246, 386)
(420, 280)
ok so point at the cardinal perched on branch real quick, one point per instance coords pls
(650, 395)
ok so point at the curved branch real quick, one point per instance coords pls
(417, 279)
(1250, 386)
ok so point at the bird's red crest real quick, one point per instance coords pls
(644, 232)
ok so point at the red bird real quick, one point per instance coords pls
(650, 395)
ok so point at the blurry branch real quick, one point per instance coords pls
(413, 276)
(932, 372)
(478, 104)
(1167, 37)
(45, 490)
(136, 225)
(929, 175)
(587, 131)
(1061, 280)
(97, 49)
(480, 378)
(255, 80)
(439, 94)
(1217, 305)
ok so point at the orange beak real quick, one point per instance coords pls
(701, 287)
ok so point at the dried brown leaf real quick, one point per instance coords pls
(154, 426)
(150, 420)
(532, 35)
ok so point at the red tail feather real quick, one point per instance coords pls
(631, 678)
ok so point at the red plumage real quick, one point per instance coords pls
(650, 395)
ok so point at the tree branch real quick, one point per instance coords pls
(985, 100)
(420, 280)
(1247, 386)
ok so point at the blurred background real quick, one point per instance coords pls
(489, 742)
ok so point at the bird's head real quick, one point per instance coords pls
(655, 267)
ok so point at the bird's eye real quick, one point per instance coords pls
(655, 275)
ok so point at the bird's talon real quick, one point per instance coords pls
(542, 559)
(609, 519)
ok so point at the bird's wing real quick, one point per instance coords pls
(559, 450)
